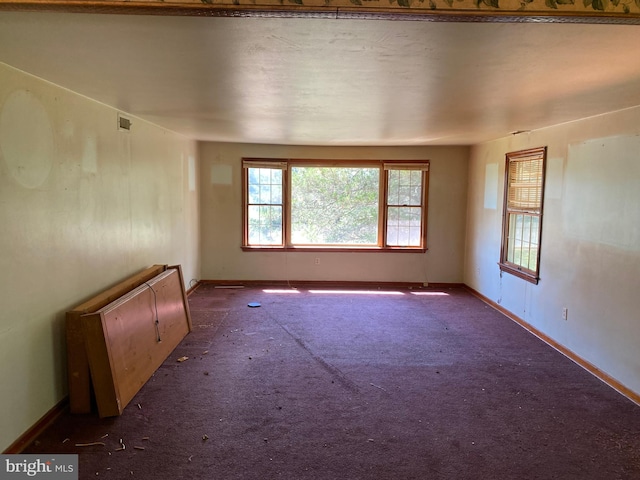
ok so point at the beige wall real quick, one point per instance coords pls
(590, 239)
(221, 210)
(82, 206)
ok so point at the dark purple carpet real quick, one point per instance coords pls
(359, 386)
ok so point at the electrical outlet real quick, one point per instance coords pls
(564, 313)
(317, 261)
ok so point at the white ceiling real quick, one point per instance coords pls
(332, 82)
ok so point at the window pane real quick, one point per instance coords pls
(404, 195)
(264, 209)
(265, 175)
(393, 220)
(254, 193)
(265, 194)
(393, 187)
(522, 241)
(535, 235)
(254, 176)
(404, 187)
(276, 193)
(404, 226)
(416, 177)
(265, 225)
(511, 239)
(334, 205)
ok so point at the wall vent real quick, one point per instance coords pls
(124, 123)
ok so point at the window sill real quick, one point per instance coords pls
(350, 249)
(529, 277)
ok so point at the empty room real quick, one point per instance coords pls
(404, 238)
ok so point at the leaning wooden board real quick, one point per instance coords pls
(127, 340)
(77, 361)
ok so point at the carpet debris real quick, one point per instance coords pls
(90, 444)
(205, 438)
(182, 359)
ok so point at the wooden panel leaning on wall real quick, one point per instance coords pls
(127, 340)
(80, 391)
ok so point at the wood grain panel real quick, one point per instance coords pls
(77, 363)
(127, 340)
